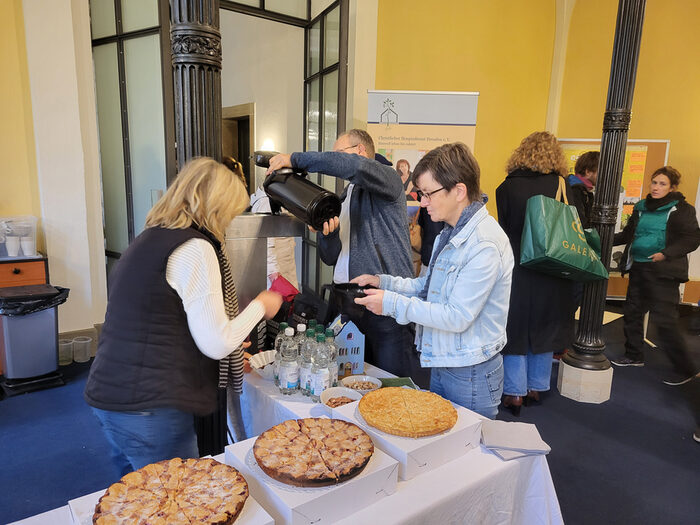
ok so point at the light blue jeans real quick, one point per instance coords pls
(527, 372)
(477, 387)
(142, 437)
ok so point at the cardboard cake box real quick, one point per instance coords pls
(83, 508)
(292, 505)
(418, 455)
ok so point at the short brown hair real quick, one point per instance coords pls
(451, 164)
(672, 173)
(587, 162)
(361, 136)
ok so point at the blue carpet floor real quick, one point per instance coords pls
(629, 460)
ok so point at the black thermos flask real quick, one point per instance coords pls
(290, 189)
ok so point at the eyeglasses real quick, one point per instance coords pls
(349, 147)
(427, 194)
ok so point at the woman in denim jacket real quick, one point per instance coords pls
(460, 306)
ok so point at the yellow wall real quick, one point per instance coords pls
(666, 102)
(20, 191)
(500, 48)
(504, 50)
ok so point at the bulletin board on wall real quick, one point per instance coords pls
(642, 158)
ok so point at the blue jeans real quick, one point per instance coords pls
(477, 387)
(527, 372)
(142, 437)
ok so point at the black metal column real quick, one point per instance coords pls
(589, 346)
(196, 54)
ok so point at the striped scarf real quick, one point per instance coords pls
(230, 367)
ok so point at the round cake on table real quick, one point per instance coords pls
(313, 452)
(175, 492)
(407, 412)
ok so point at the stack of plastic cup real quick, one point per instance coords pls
(81, 349)
(65, 352)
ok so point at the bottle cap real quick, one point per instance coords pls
(289, 331)
(330, 332)
(321, 338)
(283, 326)
(310, 332)
(312, 323)
(301, 327)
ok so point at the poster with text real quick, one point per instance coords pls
(632, 175)
(405, 125)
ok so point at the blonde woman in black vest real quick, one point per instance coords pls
(172, 328)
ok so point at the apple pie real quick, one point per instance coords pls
(175, 492)
(407, 412)
(313, 452)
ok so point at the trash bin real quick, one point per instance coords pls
(29, 331)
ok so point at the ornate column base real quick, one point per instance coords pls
(586, 360)
(585, 386)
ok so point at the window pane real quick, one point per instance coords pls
(332, 38)
(326, 274)
(111, 147)
(287, 7)
(312, 116)
(330, 110)
(328, 182)
(313, 263)
(144, 95)
(317, 6)
(314, 49)
(102, 20)
(139, 14)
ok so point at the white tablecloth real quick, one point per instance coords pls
(476, 488)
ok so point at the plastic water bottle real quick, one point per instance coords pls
(320, 374)
(300, 335)
(289, 368)
(332, 355)
(278, 356)
(306, 351)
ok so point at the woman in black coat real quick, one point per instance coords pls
(541, 313)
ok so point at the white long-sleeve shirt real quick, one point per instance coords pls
(193, 272)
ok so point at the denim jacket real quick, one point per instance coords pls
(463, 321)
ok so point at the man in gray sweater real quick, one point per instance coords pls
(370, 236)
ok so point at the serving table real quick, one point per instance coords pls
(477, 487)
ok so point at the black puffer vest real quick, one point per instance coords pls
(146, 356)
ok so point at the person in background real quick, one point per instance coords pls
(661, 232)
(370, 236)
(583, 183)
(404, 170)
(429, 231)
(541, 315)
(172, 315)
(460, 306)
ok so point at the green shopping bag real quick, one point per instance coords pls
(554, 242)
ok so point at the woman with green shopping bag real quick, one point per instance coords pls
(541, 313)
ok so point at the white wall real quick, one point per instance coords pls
(65, 128)
(263, 63)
